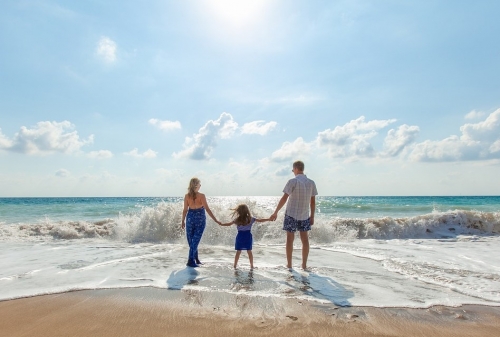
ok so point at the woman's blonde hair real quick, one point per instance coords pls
(193, 183)
(241, 215)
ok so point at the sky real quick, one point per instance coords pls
(133, 98)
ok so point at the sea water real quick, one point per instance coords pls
(365, 251)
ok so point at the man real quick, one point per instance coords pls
(300, 192)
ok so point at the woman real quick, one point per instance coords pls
(195, 205)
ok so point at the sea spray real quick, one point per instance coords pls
(162, 223)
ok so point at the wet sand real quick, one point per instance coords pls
(161, 312)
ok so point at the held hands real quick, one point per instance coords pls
(273, 217)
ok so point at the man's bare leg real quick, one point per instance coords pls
(305, 248)
(290, 236)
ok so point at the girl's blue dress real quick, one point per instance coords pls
(244, 239)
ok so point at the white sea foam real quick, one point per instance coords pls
(448, 258)
(405, 273)
(161, 223)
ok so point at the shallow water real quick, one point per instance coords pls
(440, 256)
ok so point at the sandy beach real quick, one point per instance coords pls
(160, 312)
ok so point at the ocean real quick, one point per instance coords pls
(412, 252)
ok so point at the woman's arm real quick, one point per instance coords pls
(226, 224)
(184, 212)
(209, 211)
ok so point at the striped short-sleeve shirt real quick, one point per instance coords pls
(300, 190)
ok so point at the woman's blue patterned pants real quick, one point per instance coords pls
(195, 225)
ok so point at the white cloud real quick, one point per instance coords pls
(101, 154)
(448, 149)
(488, 131)
(397, 140)
(106, 49)
(283, 171)
(203, 143)
(474, 115)
(291, 150)
(352, 139)
(478, 141)
(228, 126)
(45, 138)
(146, 154)
(62, 173)
(258, 127)
(495, 147)
(5, 142)
(255, 172)
(165, 125)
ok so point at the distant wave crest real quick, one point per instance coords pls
(432, 225)
(162, 224)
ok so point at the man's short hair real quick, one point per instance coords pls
(299, 165)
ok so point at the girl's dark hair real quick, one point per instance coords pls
(241, 215)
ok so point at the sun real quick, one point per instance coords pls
(237, 12)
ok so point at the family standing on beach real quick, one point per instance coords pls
(299, 195)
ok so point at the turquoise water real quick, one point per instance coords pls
(404, 206)
(32, 210)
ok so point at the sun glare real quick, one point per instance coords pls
(237, 12)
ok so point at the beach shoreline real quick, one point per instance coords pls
(158, 312)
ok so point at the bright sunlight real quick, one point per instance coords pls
(237, 12)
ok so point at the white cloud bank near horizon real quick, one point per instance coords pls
(478, 141)
(353, 140)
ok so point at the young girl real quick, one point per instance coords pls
(243, 221)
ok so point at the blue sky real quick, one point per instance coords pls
(129, 98)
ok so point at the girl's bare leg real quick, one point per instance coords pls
(250, 257)
(236, 258)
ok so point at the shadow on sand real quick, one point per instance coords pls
(178, 279)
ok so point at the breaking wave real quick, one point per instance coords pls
(161, 224)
